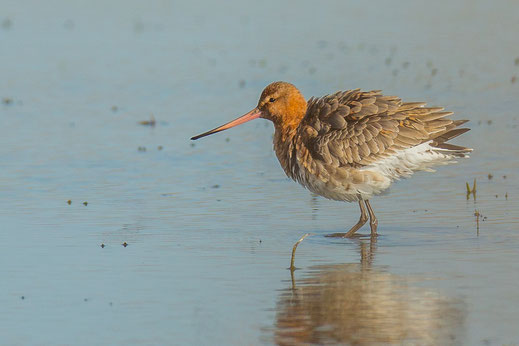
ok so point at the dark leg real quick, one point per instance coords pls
(373, 222)
(362, 221)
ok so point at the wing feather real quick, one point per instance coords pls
(356, 128)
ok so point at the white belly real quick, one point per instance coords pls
(350, 184)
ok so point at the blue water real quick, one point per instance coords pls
(209, 225)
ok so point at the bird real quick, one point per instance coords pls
(352, 145)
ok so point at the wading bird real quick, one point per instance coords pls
(351, 145)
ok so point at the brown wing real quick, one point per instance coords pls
(357, 128)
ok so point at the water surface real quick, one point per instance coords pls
(209, 225)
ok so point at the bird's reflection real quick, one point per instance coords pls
(314, 202)
(360, 304)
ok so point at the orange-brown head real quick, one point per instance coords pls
(283, 104)
(280, 102)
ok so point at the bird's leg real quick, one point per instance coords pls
(362, 220)
(373, 222)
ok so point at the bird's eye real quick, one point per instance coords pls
(272, 99)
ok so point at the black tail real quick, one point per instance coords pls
(451, 132)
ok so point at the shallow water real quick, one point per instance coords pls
(209, 225)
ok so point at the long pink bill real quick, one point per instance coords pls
(253, 114)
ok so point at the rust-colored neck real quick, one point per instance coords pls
(284, 133)
(284, 141)
(285, 106)
(293, 112)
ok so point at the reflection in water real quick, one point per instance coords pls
(314, 202)
(359, 304)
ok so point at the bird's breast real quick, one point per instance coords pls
(341, 183)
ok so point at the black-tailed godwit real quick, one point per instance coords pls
(351, 145)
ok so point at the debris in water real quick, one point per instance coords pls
(292, 259)
(215, 186)
(262, 63)
(506, 196)
(242, 83)
(23, 297)
(7, 101)
(513, 79)
(7, 23)
(471, 191)
(516, 61)
(85, 203)
(69, 202)
(490, 176)
(477, 215)
(321, 44)
(283, 69)
(141, 148)
(150, 122)
(115, 109)
(102, 246)
(69, 24)
(125, 244)
(160, 147)
(138, 26)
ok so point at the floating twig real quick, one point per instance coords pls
(150, 122)
(292, 259)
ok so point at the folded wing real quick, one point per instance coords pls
(356, 128)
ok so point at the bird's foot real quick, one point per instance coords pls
(374, 225)
(343, 235)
